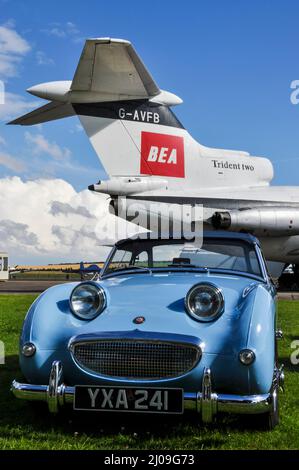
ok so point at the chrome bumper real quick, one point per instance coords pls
(206, 403)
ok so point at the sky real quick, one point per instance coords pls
(231, 61)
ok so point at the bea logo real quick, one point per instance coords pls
(162, 155)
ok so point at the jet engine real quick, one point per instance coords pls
(263, 222)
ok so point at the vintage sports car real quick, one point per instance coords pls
(168, 323)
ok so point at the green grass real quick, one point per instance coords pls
(29, 426)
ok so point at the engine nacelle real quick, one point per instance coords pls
(268, 221)
(125, 186)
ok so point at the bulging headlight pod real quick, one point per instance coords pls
(87, 300)
(204, 302)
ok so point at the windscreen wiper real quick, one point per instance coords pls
(131, 267)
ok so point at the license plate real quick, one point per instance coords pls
(134, 399)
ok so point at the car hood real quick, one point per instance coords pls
(159, 298)
(151, 292)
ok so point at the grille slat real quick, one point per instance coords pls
(136, 359)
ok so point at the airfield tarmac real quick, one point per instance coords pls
(38, 286)
(26, 287)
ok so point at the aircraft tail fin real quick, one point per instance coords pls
(126, 116)
(112, 67)
(133, 130)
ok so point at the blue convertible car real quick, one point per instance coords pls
(167, 322)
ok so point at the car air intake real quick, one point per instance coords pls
(136, 359)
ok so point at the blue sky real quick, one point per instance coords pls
(231, 61)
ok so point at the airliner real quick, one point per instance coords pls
(151, 158)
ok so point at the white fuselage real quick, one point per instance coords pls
(149, 156)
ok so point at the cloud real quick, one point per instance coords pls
(12, 49)
(60, 33)
(58, 208)
(17, 233)
(40, 145)
(47, 235)
(14, 106)
(77, 128)
(8, 65)
(12, 163)
(62, 30)
(72, 28)
(2, 141)
(12, 42)
(42, 59)
(78, 237)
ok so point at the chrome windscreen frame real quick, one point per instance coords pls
(261, 262)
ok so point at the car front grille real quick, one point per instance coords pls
(136, 359)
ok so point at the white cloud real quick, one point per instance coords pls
(2, 141)
(77, 128)
(16, 233)
(55, 32)
(12, 42)
(12, 163)
(72, 28)
(43, 59)
(12, 49)
(14, 106)
(8, 65)
(62, 30)
(41, 145)
(47, 237)
(58, 208)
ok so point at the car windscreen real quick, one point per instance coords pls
(228, 254)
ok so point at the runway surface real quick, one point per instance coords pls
(36, 287)
(26, 287)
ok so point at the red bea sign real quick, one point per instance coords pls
(162, 155)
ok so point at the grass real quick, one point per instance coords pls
(29, 426)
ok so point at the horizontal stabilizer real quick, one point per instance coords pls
(48, 112)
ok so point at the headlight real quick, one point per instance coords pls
(246, 356)
(28, 349)
(87, 300)
(204, 302)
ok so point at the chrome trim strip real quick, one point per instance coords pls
(135, 335)
(208, 404)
